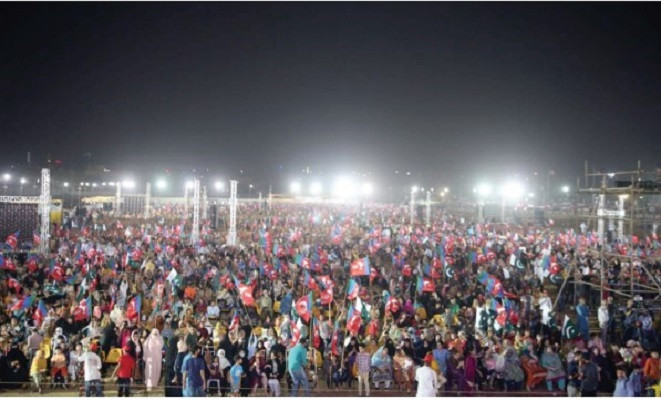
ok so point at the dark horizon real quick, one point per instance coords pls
(449, 91)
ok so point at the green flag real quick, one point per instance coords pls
(569, 330)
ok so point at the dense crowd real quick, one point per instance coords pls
(334, 296)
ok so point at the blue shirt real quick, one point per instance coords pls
(235, 373)
(192, 366)
(441, 357)
(298, 357)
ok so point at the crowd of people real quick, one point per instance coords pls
(330, 297)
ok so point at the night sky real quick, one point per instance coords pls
(446, 90)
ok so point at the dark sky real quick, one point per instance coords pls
(435, 88)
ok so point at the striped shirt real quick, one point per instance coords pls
(363, 361)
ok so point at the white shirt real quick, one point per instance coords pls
(92, 366)
(426, 378)
(213, 312)
(602, 315)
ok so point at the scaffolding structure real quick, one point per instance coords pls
(601, 213)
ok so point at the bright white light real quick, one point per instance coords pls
(128, 184)
(531, 195)
(295, 187)
(368, 189)
(483, 189)
(103, 184)
(610, 175)
(565, 189)
(414, 189)
(6, 177)
(161, 184)
(111, 183)
(23, 181)
(512, 190)
(81, 183)
(445, 189)
(94, 184)
(218, 185)
(66, 184)
(190, 185)
(344, 187)
(315, 188)
(443, 194)
(87, 183)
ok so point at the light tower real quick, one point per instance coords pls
(45, 201)
(231, 235)
(195, 232)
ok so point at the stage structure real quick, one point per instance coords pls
(231, 235)
(195, 231)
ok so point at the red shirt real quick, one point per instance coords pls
(126, 365)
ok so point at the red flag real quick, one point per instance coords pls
(13, 283)
(334, 343)
(316, 338)
(393, 305)
(57, 273)
(357, 268)
(355, 322)
(302, 308)
(428, 285)
(326, 296)
(12, 240)
(245, 292)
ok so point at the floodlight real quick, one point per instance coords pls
(161, 184)
(367, 189)
(565, 189)
(512, 190)
(218, 185)
(23, 181)
(295, 187)
(66, 184)
(6, 177)
(128, 184)
(483, 189)
(190, 185)
(315, 189)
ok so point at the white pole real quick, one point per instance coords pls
(231, 237)
(620, 222)
(260, 201)
(186, 200)
(480, 212)
(45, 200)
(147, 200)
(118, 199)
(600, 214)
(205, 204)
(412, 205)
(195, 232)
(428, 209)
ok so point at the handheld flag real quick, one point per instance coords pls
(569, 330)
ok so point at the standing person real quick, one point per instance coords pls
(623, 387)
(604, 320)
(236, 373)
(170, 373)
(363, 362)
(589, 375)
(92, 371)
(193, 374)
(583, 312)
(426, 378)
(124, 372)
(36, 369)
(298, 361)
(273, 374)
(153, 356)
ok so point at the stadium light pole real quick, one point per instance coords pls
(414, 189)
